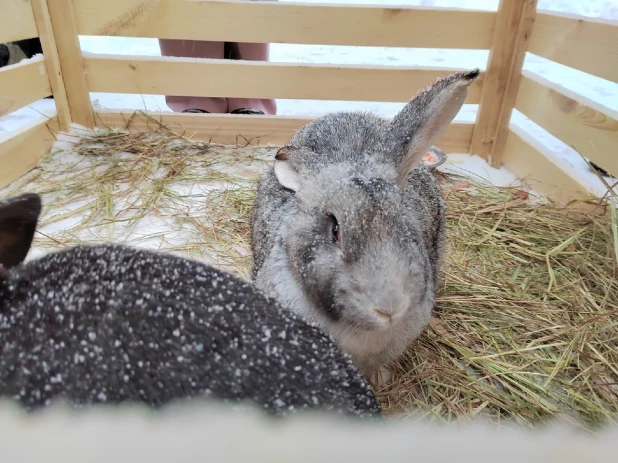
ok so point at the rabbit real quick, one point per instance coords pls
(112, 324)
(347, 229)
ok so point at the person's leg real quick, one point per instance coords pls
(194, 49)
(252, 52)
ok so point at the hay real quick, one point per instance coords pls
(526, 323)
(151, 189)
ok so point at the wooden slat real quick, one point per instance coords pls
(593, 132)
(52, 61)
(231, 129)
(23, 84)
(71, 62)
(16, 21)
(506, 60)
(278, 22)
(542, 171)
(22, 150)
(229, 78)
(586, 44)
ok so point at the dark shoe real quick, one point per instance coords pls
(195, 110)
(30, 47)
(5, 55)
(255, 112)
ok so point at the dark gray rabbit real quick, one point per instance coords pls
(112, 324)
(348, 225)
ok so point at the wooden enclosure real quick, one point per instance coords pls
(516, 28)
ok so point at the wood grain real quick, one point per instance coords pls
(23, 84)
(506, 59)
(22, 150)
(587, 44)
(71, 63)
(570, 118)
(16, 21)
(52, 62)
(260, 130)
(228, 78)
(279, 22)
(542, 172)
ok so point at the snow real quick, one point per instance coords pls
(476, 167)
(597, 91)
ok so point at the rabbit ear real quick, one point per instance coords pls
(18, 220)
(285, 173)
(423, 120)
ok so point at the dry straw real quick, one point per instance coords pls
(526, 323)
(154, 189)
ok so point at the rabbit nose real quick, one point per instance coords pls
(384, 314)
(389, 311)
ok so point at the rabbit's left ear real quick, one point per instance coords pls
(423, 120)
(18, 220)
(285, 173)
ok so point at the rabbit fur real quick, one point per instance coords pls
(112, 324)
(348, 224)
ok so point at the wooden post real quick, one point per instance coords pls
(52, 62)
(514, 23)
(67, 60)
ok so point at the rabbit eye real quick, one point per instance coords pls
(335, 229)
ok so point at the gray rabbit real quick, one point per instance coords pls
(348, 225)
(112, 324)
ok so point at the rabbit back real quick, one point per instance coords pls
(112, 324)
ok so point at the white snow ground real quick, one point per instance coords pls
(595, 89)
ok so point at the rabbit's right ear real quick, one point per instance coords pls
(434, 157)
(18, 220)
(423, 120)
(285, 173)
